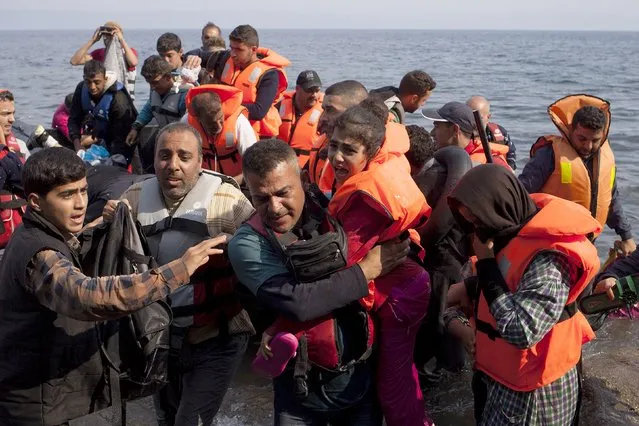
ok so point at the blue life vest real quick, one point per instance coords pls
(99, 111)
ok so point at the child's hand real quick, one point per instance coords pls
(265, 349)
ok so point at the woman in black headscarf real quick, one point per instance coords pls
(519, 315)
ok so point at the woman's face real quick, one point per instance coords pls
(347, 156)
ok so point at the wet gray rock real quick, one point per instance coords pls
(611, 390)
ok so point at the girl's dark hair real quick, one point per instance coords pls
(364, 124)
(51, 167)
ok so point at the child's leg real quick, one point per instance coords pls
(397, 381)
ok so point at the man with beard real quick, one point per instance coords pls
(300, 111)
(579, 165)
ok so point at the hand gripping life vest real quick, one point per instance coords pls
(299, 134)
(571, 179)
(494, 134)
(247, 81)
(97, 114)
(559, 226)
(166, 110)
(498, 151)
(320, 339)
(220, 155)
(210, 296)
(386, 180)
(12, 208)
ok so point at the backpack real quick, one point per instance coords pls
(135, 348)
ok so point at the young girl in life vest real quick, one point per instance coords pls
(376, 200)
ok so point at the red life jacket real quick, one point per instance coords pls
(494, 133)
(12, 208)
(498, 151)
(320, 342)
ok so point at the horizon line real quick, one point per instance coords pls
(350, 29)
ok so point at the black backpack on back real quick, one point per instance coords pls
(135, 348)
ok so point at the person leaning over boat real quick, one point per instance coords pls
(108, 32)
(494, 132)
(177, 209)
(534, 260)
(217, 113)
(565, 165)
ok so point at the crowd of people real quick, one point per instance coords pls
(369, 255)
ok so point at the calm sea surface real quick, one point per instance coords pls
(520, 72)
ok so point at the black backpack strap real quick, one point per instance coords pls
(300, 371)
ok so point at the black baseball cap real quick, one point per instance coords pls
(308, 79)
(453, 112)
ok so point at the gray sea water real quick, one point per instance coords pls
(520, 72)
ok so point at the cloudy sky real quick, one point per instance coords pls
(620, 15)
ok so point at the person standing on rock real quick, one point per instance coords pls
(534, 259)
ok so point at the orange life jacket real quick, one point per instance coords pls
(386, 180)
(220, 155)
(396, 142)
(570, 178)
(299, 134)
(247, 81)
(559, 226)
(498, 151)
